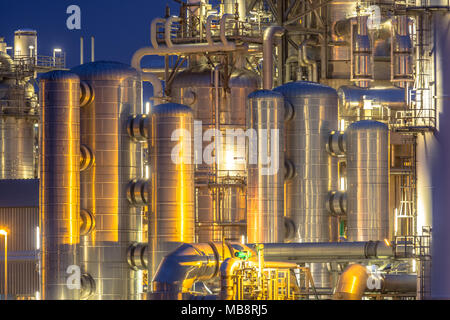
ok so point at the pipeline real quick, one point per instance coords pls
(188, 264)
(356, 280)
(326, 251)
(171, 49)
(269, 34)
(311, 64)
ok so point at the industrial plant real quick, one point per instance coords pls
(292, 150)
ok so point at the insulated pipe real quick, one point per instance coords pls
(223, 27)
(356, 279)
(310, 63)
(59, 196)
(209, 21)
(154, 31)
(227, 271)
(326, 251)
(188, 264)
(168, 30)
(173, 50)
(269, 34)
(352, 283)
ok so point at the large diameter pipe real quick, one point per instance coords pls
(357, 279)
(326, 251)
(367, 148)
(188, 264)
(172, 219)
(265, 180)
(268, 39)
(59, 196)
(352, 283)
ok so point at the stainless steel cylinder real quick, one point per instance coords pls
(172, 218)
(59, 199)
(367, 148)
(117, 96)
(265, 178)
(218, 216)
(315, 117)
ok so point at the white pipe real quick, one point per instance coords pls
(154, 30)
(208, 29)
(223, 27)
(92, 49)
(173, 50)
(168, 30)
(269, 34)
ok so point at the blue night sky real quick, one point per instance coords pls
(120, 27)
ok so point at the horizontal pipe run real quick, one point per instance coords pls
(326, 251)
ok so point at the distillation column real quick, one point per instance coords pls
(367, 148)
(265, 165)
(59, 199)
(315, 115)
(172, 214)
(116, 96)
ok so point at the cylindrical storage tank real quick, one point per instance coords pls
(116, 90)
(17, 132)
(172, 217)
(195, 88)
(25, 43)
(315, 116)
(367, 148)
(59, 195)
(265, 163)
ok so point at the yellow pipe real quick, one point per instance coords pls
(352, 283)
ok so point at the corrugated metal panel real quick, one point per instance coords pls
(23, 279)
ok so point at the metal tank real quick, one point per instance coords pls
(172, 217)
(59, 196)
(196, 87)
(315, 115)
(116, 96)
(25, 43)
(17, 130)
(265, 187)
(367, 148)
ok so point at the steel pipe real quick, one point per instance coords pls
(268, 39)
(326, 251)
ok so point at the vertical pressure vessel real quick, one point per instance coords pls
(314, 116)
(59, 199)
(265, 178)
(115, 96)
(172, 217)
(367, 147)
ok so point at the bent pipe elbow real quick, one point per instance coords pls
(269, 34)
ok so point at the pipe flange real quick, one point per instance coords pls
(289, 170)
(88, 286)
(86, 94)
(138, 192)
(87, 158)
(87, 222)
(137, 127)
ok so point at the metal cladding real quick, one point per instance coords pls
(352, 283)
(116, 90)
(59, 199)
(172, 218)
(315, 115)
(367, 147)
(195, 88)
(265, 181)
(17, 132)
